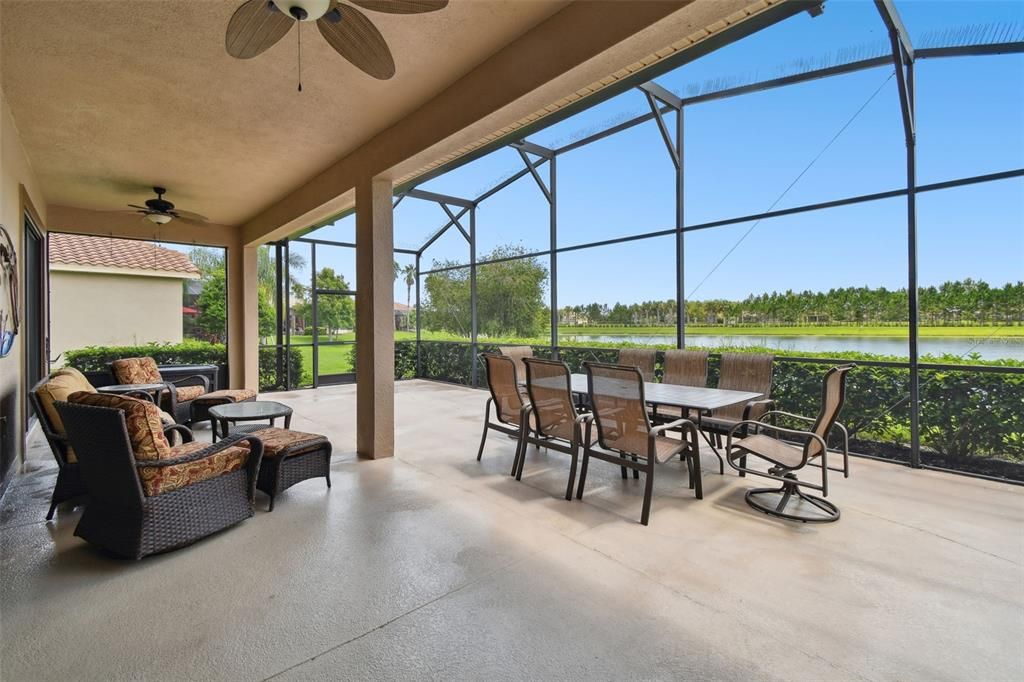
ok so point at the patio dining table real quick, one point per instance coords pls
(700, 399)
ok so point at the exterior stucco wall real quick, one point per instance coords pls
(103, 309)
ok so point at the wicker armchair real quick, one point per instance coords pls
(642, 358)
(189, 399)
(144, 496)
(555, 424)
(625, 435)
(785, 458)
(43, 397)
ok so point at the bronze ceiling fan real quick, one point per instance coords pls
(259, 24)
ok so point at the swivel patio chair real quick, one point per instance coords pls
(145, 496)
(785, 458)
(507, 400)
(625, 435)
(554, 424)
(642, 358)
(43, 396)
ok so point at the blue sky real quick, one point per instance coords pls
(742, 153)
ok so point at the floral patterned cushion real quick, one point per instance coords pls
(159, 480)
(136, 371)
(186, 393)
(145, 430)
(60, 386)
(232, 395)
(277, 441)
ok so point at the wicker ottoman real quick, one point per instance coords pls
(289, 457)
(201, 405)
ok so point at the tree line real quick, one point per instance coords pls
(967, 301)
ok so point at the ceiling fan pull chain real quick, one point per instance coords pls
(299, 32)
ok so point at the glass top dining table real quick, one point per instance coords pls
(672, 395)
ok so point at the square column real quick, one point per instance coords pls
(375, 320)
(243, 317)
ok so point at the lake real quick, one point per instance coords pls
(989, 349)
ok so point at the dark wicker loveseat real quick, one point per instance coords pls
(145, 496)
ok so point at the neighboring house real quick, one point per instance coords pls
(402, 315)
(112, 292)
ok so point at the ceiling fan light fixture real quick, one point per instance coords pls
(158, 218)
(303, 10)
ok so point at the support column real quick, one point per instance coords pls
(243, 317)
(680, 237)
(375, 320)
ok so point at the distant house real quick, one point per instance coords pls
(402, 315)
(112, 292)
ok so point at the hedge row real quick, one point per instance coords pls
(966, 417)
(96, 358)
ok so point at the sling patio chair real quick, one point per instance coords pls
(518, 353)
(510, 409)
(751, 372)
(625, 435)
(554, 422)
(145, 496)
(682, 368)
(643, 359)
(787, 451)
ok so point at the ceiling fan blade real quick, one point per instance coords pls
(356, 39)
(255, 27)
(144, 208)
(190, 217)
(401, 6)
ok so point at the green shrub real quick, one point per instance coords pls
(274, 378)
(96, 358)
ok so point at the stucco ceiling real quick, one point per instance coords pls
(112, 97)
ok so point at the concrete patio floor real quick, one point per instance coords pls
(434, 565)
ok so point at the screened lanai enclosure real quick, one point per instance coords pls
(695, 210)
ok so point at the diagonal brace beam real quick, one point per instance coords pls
(455, 221)
(660, 119)
(895, 26)
(440, 233)
(536, 176)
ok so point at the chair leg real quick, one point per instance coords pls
(572, 477)
(645, 515)
(696, 475)
(636, 472)
(53, 506)
(524, 432)
(483, 440)
(583, 474)
(743, 465)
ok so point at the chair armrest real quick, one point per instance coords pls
(194, 380)
(141, 395)
(186, 433)
(750, 408)
(682, 424)
(586, 416)
(810, 420)
(214, 448)
(659, 430)
(807, 435)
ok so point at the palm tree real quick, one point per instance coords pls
(409, 272)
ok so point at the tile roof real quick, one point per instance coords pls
(80, 249)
